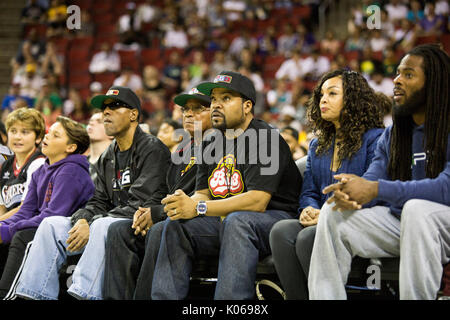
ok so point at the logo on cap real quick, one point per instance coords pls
(195, 91)
(223, 78)
(112, 92)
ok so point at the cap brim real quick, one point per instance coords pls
(207, 87)
(97, 101)
(182, 99)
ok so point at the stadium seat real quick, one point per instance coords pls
(61, 44)
(129, 59)
(150, 55)
(106, 78)
(108, 29)
(78, 54)
(377, 55)
(271, 65)
(79, 81)
(303, 12)
(351, 55)
(445, 39)
(82, 42)
(101, 7)
(103, 18)
(83, 4)
(426, 39)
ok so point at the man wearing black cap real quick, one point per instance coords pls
(130, 175)
(237, 200)
(126, 240)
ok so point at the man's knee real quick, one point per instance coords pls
(120, 229)
(101, 224)
(238, 219)
(54, 221)
(328, 215)
(413, 212)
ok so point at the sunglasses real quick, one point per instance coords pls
(115, 105)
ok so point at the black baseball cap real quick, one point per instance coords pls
(181, 99)
(122, 94)
(233, 81)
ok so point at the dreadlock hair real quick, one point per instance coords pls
(436, 68)
(361, 111)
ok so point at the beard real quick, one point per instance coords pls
(412, 105)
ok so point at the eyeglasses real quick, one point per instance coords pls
(196, 109)
(115, 105)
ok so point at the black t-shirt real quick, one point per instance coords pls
(181, 175)
(259, 159)
(122, 182)
(182, 172)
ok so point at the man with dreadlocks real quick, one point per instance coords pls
(410, 180)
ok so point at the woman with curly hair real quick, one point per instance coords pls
(345, 115)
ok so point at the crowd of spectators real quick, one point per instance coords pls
(160, 48)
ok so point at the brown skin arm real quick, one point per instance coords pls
(351, 192)
(180, 206)
(78, 235)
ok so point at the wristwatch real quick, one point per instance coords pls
(201, 208)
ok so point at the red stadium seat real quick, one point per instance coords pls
(129, 59)
(302, 12)
(351, 55)
(61, 44)
(103, 18)
(79, 66)
(83, 4)
(79, 54)
(377, 55)
(150, 55)
(271, 65)
(82, 42)
(101, 6)
(106, 79)
(106, 29)
(79, 81)
(426, 39)
(445, 39)
(100, 39)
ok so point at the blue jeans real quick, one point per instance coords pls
(240, 241)
(40, 277)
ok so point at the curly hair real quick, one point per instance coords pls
(361, 111)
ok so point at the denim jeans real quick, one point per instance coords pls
(40, 276)
(240, 241)
(143, 288)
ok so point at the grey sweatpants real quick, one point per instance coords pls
(421, 239)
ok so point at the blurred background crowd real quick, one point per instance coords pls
(160, 48)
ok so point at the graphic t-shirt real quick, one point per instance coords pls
(122, 181)
(259, 159)
(14, 181)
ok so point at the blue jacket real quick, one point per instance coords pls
(318, 172)
(396, 193)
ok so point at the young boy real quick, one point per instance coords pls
(25, 129)
(58, 188)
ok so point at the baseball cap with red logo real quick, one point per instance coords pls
(233, 81)
(194, 93)
(122, 94)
